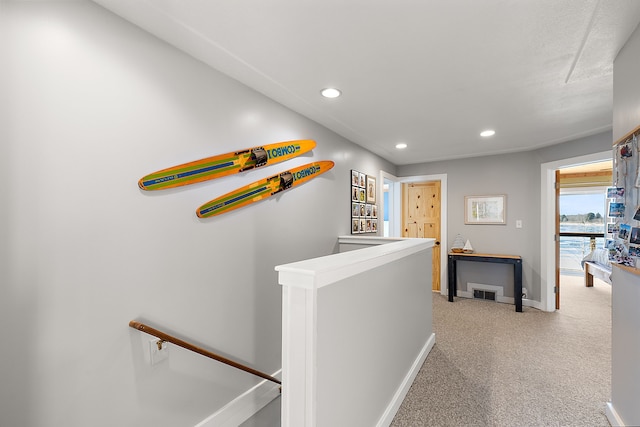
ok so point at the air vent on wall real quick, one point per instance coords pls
(480, 294)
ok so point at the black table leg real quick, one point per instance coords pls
(517, 284)
(452, 278)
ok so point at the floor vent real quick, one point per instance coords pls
(480, 294)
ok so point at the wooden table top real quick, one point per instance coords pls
(486, 255)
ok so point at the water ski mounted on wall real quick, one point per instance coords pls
(263, 189)
(225, 164)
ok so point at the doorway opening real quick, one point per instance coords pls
(582, 211)
(392, 211)
(580, 217)
(548, 261)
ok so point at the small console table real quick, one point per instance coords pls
(502, 259)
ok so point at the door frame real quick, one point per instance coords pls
(548, 222)
(395, 213)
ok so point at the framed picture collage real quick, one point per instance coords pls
(364, 210)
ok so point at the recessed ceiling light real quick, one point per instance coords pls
(487, 133)
(330, 92)
(401, 146)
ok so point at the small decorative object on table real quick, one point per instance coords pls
(467, 249)
(458, 244)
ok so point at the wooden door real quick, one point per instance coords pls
(421, 218)
(557, 240)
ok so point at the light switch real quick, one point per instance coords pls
(518, 223)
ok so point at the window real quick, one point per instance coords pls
(582, 210)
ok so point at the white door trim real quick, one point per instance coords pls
(395, 216)
(547, 222)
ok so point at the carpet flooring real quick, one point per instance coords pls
(491, 366)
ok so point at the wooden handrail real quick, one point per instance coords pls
(180, 343)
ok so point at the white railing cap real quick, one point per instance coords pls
(318, 272)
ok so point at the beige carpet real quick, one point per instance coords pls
(491, 366)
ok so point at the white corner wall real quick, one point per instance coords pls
(357, 327)
(625, 370)
(90, 103)
(623, 409)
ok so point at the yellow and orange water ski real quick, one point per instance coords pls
(225, 164)
(263, 189)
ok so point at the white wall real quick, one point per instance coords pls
(626, 93)
(625, 371)
(357, 327)
(392, 329)
(518, 176)
(91, 103)
(626, 118)
(625, 349)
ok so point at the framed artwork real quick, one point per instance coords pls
(485, 209)
(355, 210)
(355, 194)
(361, 195)
(371, 189)
(364, 211)
(355, 178)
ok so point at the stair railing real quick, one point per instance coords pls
(164, 337)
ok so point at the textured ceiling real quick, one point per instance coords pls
(431, 73)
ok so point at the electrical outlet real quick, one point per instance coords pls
(158, 351)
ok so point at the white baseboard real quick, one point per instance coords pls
(401, 392)
(532, 303)
(612, 416)
(244, 406)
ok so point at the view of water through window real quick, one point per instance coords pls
(580, 212)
